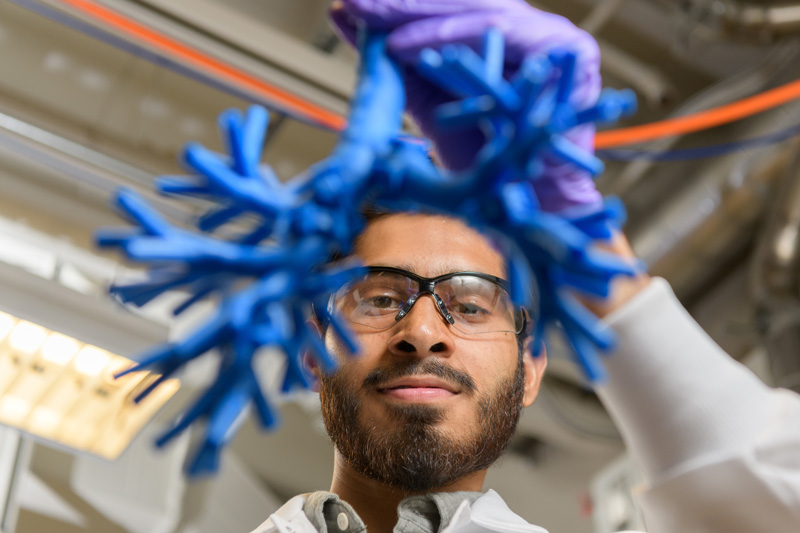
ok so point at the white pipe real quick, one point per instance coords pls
(600, 15)
(642, 77)
(775, 20)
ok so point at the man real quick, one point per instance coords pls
(430, 404)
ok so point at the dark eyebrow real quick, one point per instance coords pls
(409, 268)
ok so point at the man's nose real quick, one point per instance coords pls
(423, 331)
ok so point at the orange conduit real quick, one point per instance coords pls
(700, 121)
(280, 97)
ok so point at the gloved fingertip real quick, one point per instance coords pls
(377, 15)
(343, 22)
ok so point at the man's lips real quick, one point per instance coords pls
(418, 388)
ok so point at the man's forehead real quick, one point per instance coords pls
(428, 245)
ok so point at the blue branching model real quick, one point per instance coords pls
(268, 279)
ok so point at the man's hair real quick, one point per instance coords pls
(369, 213)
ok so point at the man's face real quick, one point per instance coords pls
(425, 405)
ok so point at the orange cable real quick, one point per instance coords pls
(281, 97)
(700, 121)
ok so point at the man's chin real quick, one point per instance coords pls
(410, 445)
(399, 414)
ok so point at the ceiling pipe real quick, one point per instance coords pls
(151, 36)
(777, 256)
(690, 238)
(99, 173)
(770, 20)
(600, 14)
(748, 81)
(775, 280)
(648, 82)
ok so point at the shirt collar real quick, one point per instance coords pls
(426, 513)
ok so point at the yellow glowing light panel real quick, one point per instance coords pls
(62, 390)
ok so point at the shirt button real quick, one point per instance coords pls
(342, 521)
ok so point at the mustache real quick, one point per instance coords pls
(428, 366)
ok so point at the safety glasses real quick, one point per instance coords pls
(472, 302)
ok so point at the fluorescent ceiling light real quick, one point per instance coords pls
(26, 337)
(57, 388)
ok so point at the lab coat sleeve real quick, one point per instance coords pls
(719, 450)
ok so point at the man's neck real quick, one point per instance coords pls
(376, 503)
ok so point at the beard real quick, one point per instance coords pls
(410, 452)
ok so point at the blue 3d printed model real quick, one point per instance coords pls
(266, 281)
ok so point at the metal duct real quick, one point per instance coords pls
(714, 218)
(775, 280)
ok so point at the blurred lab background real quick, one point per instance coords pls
(98, 94)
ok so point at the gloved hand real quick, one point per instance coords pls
(414, 25)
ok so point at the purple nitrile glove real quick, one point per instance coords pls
(418, 24)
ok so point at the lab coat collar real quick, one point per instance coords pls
(290, 518)
(489, 513)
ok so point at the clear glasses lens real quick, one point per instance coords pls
(477, 305)
(375, 299)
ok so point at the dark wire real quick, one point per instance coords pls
(700, 152)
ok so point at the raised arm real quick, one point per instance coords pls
(720, 451)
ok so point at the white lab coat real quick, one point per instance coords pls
(719, 450)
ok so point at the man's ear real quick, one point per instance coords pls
(534, 371)
(309, 363)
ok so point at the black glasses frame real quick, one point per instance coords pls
(427, 286)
